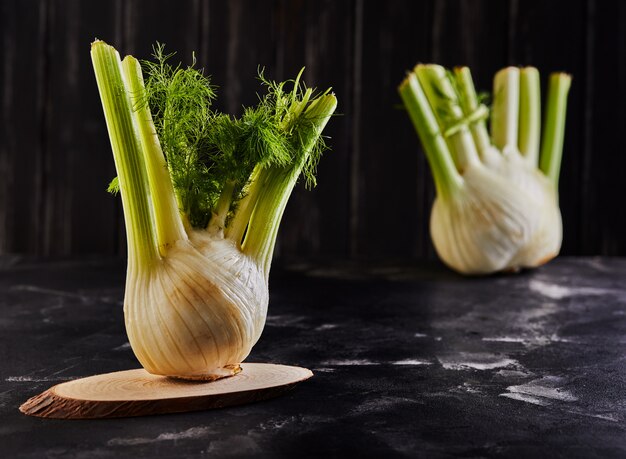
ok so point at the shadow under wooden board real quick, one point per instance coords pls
(139, 393)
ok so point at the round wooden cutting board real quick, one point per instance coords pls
(139, 393)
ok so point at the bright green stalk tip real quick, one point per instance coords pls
(505, 112)
(554, 126)
(475, 112)
(273, 185)
(169, 226)
(127, 153)
(529, 114)
(444, 98)
(447, 179)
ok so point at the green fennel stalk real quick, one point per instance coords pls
(127, 152)
(554, 126)
(449, 110)
(202, 169)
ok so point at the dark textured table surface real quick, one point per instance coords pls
(408, 362)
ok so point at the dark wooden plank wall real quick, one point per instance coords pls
(375, 190)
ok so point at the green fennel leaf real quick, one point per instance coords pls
(114, 186)
(210, 153)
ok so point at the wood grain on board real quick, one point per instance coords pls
(139, 393)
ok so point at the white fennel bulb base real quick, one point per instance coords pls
(197, 311)
(483, 227)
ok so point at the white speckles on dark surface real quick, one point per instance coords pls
(235, 446)
(193, 432)
(325, 327)
(122, 347)
(277, 423)
(545, 388)
(470, 388)
(548, 391)
(5, 397)
(286, 320)
(323, 369)
(507, 339)
(407, 361)
(39, 379)
(475, 361)
(63, 294)
(365, 362)
(531, 340)
(558, 292)
(349, 362)
(604, 416)
(411, 362)
(597, 264)
(381, 405)
(526, 398)
(513, 373)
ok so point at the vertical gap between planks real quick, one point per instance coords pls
(512, 32)
(128, 20)
(583, 244)
(355, 165)
(438, 17)
(311, 31)
(192, 35)
(7, 147)
(620, 228)
(120, 234)
(467, 26)
(279, 17)
(43, 114)
(312, 42)
(347, 112)
(204, 24)
(66, 180)
(423, 192)
(234, 86)
(68, 187)
(117, 31)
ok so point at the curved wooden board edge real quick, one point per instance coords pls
(52, 403)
